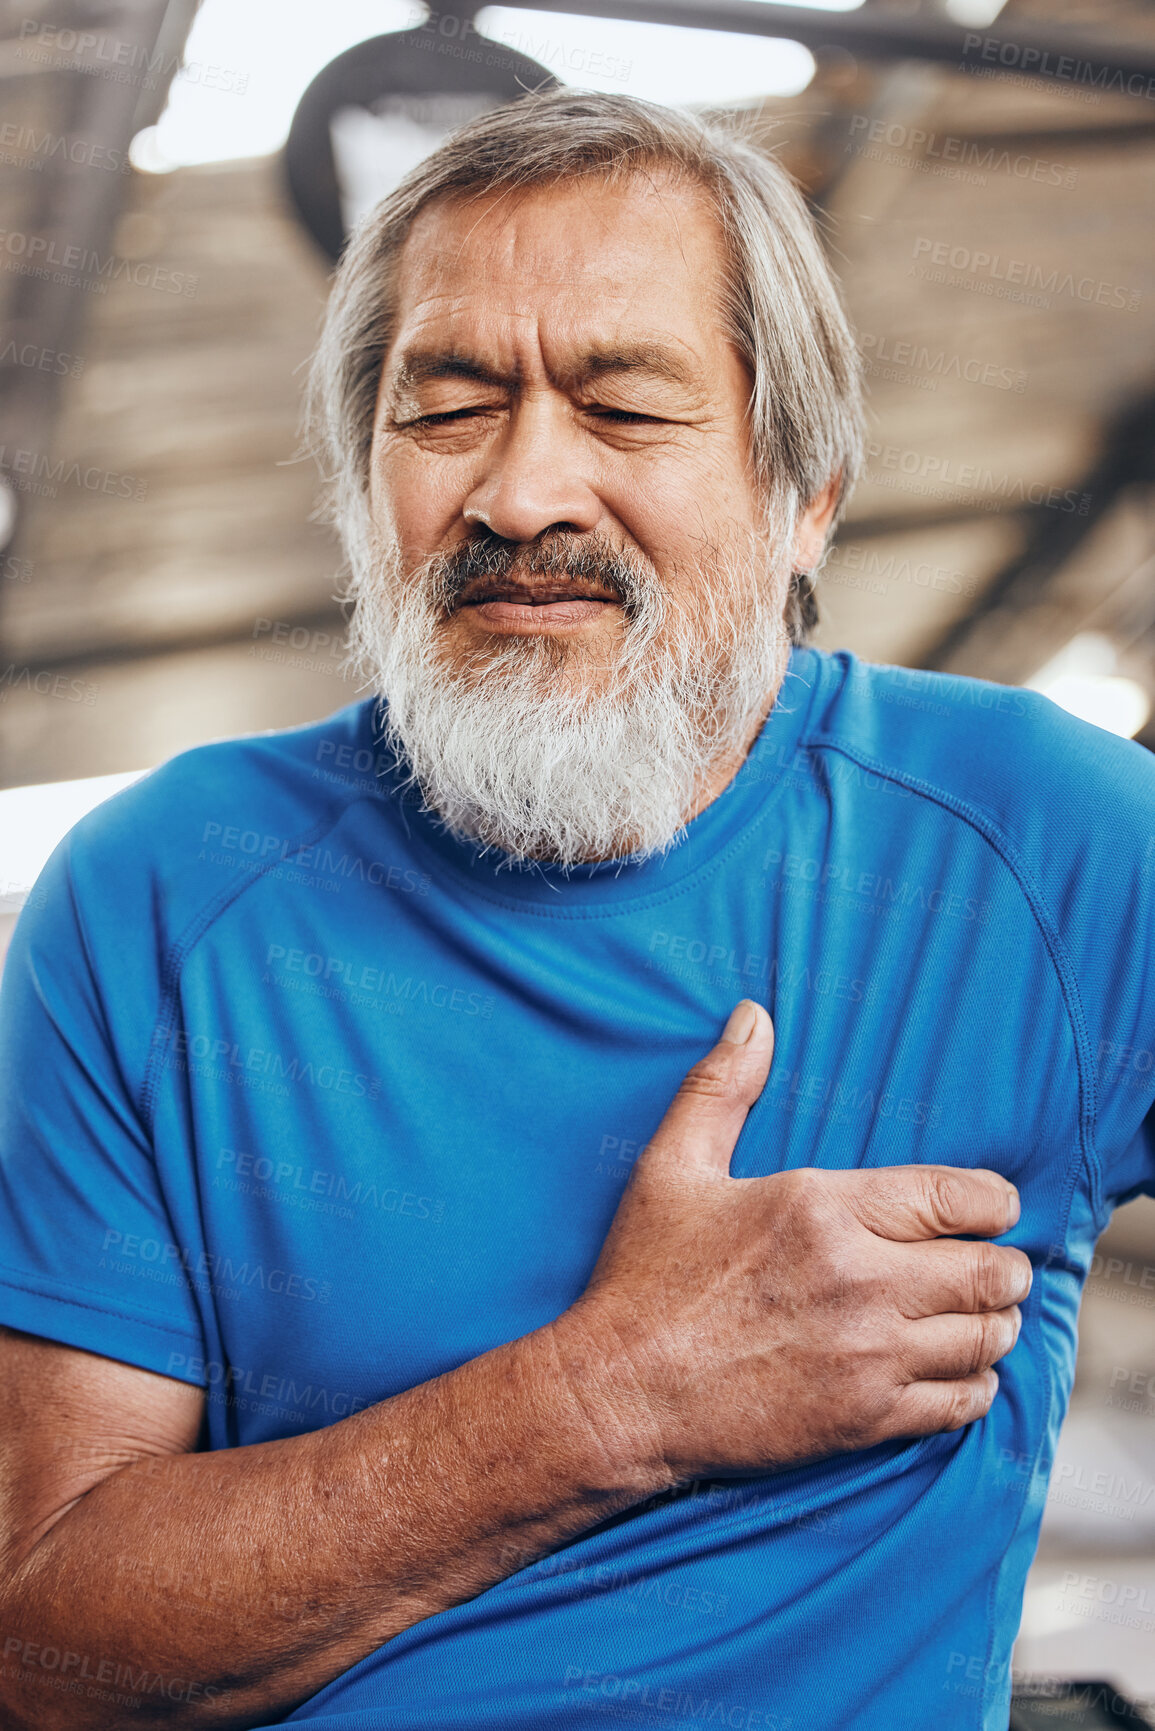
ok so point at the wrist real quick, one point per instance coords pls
(599, 1379)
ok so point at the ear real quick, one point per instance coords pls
(814, 525)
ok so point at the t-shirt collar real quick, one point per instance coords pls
(614, 882)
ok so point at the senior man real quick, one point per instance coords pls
(384, 1347)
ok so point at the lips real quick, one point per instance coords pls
(534, 594)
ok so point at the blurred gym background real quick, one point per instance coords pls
(984, 175)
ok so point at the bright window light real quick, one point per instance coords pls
(373, 151)
(662, 62)
(1043, 1610)
(974, 12)
(1082, 679)
(247, 63)
(34, 819)
(7, 514)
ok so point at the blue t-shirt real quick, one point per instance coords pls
(306, 1103)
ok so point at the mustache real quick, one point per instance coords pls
(589, 558)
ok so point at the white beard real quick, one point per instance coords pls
(529, 746)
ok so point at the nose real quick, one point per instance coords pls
(535, 476)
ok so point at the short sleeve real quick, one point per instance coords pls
(1085, 823)
(78, 1182)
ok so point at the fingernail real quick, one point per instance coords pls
(741, 1023)
(1014, 1208)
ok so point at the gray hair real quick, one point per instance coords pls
(782, 308)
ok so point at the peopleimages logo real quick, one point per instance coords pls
(63, 1664)
(871, 885)
(915, 147)
(41, 147)
(897, 358)
(279, 1395)
(356, 982)
(226, 1059)
(39, 255)
(1066, 68)
(930, 473)
(36, 472)
(633, 1693)
(32, 355)
(249, 846)
(228, 1278)
(98, 54)
(992, 267)
(45, 684)
(258, 1175)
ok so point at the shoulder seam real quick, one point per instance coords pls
(995, 838)
(196, 929)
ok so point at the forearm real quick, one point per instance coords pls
(237, 1583)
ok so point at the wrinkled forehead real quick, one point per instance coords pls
(644, 251)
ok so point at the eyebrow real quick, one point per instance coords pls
(424, 364)
(651, 358)
(598, 363)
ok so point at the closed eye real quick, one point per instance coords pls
(623, 415)
(446, 415)
(620, 417)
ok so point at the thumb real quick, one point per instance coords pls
(709, 1109)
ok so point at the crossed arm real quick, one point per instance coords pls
(731, 1326)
